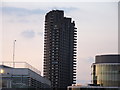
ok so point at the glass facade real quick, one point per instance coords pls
(106, 74)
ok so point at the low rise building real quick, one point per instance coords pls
(22, 77)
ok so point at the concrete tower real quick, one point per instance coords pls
(60, 49)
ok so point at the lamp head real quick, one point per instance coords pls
(1, 71)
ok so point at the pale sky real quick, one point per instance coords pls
(97, 29)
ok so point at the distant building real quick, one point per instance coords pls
(60, 49)
(92, 88)
(22, 77)
(106, 70)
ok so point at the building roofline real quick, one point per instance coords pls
(18, 65)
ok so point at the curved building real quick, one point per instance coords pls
(106, 70)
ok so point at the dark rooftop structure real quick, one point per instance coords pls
(113, 58)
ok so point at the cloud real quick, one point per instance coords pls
(25, 11)
(28, 34)
(21, 11)
(66, 9)
(40, 33)
(90, 60)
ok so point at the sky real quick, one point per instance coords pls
(97, 31)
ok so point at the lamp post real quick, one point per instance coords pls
(14, 53)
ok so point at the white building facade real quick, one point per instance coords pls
(21, 78)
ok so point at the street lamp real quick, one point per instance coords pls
(14, 53)
(1, 71)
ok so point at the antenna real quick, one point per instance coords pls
(14, 53)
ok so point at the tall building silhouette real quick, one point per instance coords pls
(60, 49)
